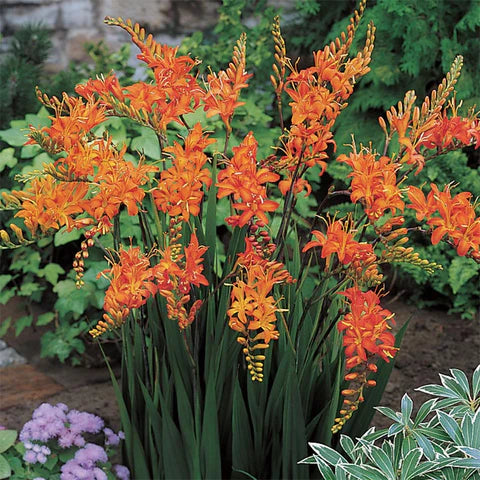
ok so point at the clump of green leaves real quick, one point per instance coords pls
(442, 442)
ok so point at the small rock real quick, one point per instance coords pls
(3, 345)
(8, 356)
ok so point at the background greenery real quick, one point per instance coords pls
(415, 44)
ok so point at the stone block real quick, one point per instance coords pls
(77, 14)
(17, 15)
(23, 383)
(8, 356)
(151, 14)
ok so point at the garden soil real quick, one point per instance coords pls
(434, 343)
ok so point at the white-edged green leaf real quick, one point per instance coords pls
(382, 461)
(347, 444)
(452, 384)
(410, 463)
(472, 452)
(425, 444)
(330, 455)
(324, 469)
(438, 391)
(476, 382)
(388, 412)
(466, 463)
(394, 429)
(362, 472)
(462, 381)
(450, 425)
(407, 407)
(424, 410)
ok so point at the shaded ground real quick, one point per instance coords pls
(434, 343)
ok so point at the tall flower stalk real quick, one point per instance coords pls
(232, 363)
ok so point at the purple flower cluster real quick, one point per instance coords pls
(35, 453)
(65, 428)
(112, 438)
(49, 422)
(83, 465)
(121, 472)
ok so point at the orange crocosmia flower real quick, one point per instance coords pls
(180, 189)
(374, 182)
(423, 206)
(143, 96)
(103, 87)
(50, 204)
(245, 181)
(366, 328)
(224, 89)
(251, 307)
(131, 283)
(338, 239)
(66, 130)
(446, 130)
(457, 219)
(300, 185)
(194, 263)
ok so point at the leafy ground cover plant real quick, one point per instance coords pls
(59, 443)
(231, 360)
(441, 442)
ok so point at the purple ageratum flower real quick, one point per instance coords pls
(111, 438)
(83, 465)
(91, 454)
(81, 422)
(47, 422)
(30, 456)
(121, 472)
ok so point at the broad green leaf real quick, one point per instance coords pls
(461, 270)
(22, 323)
(7, 158)
(45, 318)
(5, 470)
(51, 272)
(62, 236)
(146, 143)
(14, 136)
(4, 280)
(5, 325)
(7, 439)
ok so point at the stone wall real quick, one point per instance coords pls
(74, 22)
